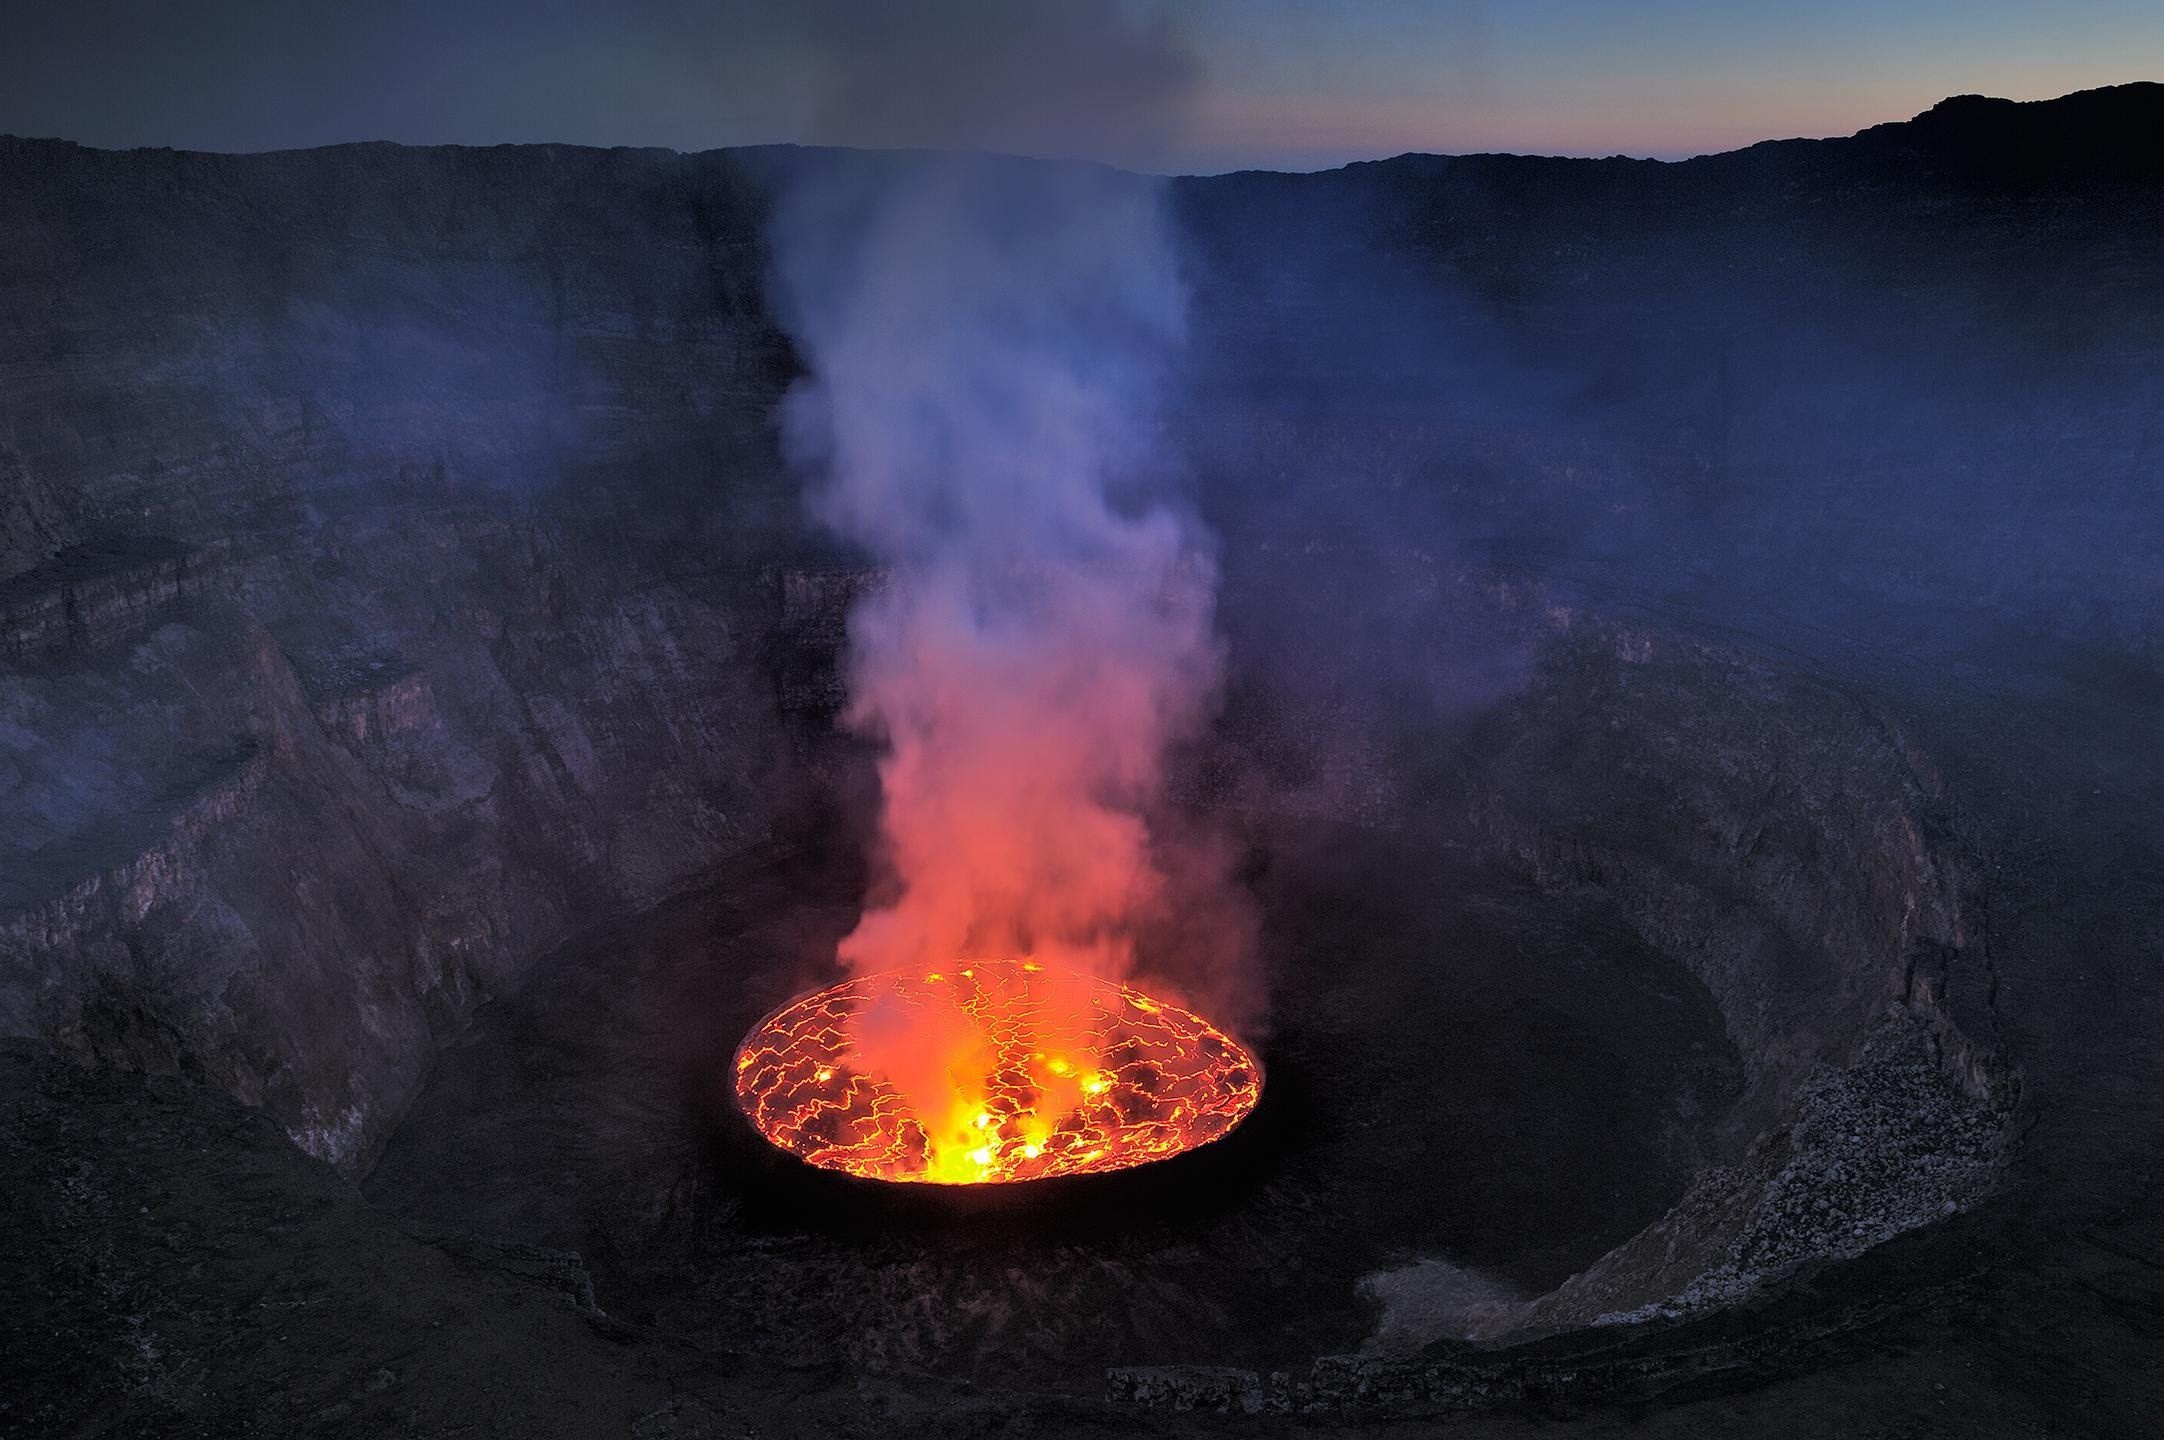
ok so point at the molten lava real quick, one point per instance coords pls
(995, 1070)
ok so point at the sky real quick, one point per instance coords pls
(1162, 85)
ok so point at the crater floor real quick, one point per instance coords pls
(1456, 1066)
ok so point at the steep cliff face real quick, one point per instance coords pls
(376, 610)
(199, 344)
(1770, 833)
(1789, 847)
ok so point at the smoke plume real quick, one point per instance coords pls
(989, 341)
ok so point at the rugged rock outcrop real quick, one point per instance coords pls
(1782, 841)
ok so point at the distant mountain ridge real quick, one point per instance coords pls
(2108, 130)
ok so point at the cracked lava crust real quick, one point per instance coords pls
(993, 1071)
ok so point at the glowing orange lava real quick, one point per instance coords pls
(993, 1071)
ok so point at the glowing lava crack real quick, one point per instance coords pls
(997, 1070)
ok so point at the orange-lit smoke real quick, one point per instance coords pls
(1026, 751)
(989, 342)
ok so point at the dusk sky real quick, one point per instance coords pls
(1176, 85)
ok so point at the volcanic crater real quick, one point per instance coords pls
(1686, 732)
(1594, 1011)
